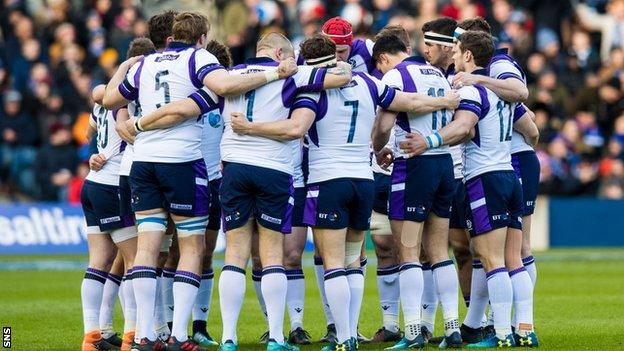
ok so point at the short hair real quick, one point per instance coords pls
(442, 25)
(139, 47)
(476, 24)
(160, 27)
(188, 27)
(221, 52)
(387, 44)
(317, 46)
(480, 44)
(275, 40)
(398, 31)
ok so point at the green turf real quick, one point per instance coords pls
(579, 306)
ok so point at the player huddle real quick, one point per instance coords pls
(277, 145)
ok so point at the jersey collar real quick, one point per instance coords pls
(450, 70)
(504, 51)
(265, 61)
(176, 45)
(480, 71)
(416, 59)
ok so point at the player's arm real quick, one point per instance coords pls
(420, 103)
(120, 125)
(289, 129)
(381, 129)
(222, 83)
(113, 98)
(338, 76)
(164, 117)
(510, 89)
(525, 125)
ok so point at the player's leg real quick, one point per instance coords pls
(319, 271)
(527, 253)
(167, 259)
(109, 297)
(429, 302)
(256, 278)
(387, 284)
(460, 245)
(294, 244)
(355, 278)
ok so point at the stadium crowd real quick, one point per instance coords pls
(53, 52)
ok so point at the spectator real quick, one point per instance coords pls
(610, 25)
(56, 164)
(75, 184)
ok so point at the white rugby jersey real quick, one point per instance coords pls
(456, 151)
(340, 137)
(158, 79)
(109, 144)
(503, 66)
(412, 75)
(297, 152)
(211, 138)
(268, 103)
(490, 148)
(134, 110)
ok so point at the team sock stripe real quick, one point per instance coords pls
(477, 264)
(442, 264)
(333, 273)
(467, 300)
(516, 271)
(114, 278)
(273, 270)
(355, 271)
(187, 277)
(426, 266)
(207, 274)
(95, 274)
(256, 275)
(407, 266)
(318, 261)
(143, 272)
(388, 270)
(493, 272)
(159, 272)
(233, 269)
(294, 274)
(528, 260)
(168, 272)
(363, 261)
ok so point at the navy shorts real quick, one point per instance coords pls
(100, 204)
(422, 184)
(527, 167)
(493, 201)
(382, 192)
(297, 216)
(214, 209)
(125, 197)
(340, 203)
(180, 188)
(262, 193)
(458, 211)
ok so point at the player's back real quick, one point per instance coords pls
(490, 148)
(341, 134)
(109, 144)
(414, 74)
(268, 103)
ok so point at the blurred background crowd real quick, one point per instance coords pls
(52, 52)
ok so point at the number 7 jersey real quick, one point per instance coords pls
(490, 148)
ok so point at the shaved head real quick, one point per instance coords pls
(275, 40)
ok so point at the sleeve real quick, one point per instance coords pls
(201, 64)
(519, 111)
(382, 94)
(307, 100)
(205, 99)
(129, 88)
(393, 79)
(504, 68)
(470, 100)
(369, 46)
(309, 79)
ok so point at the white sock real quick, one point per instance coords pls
(231, 295)
(355, 277)
(167, 293)
(109, 297)
(522, 300)
(529, 264)
(185, 286)
(130, 307)
(501, 297)
(478, 296)
(295, 297)
(447, 286)
(144, 284)
(339, 299)
(91, 295)
(121, 296)
(388, 287)
(320, 272)
(429, 299)
(411, 286)
(274, 286)
(204, 295)
(256, 277)
(160, 322)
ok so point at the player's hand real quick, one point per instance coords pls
(240, 124)
(131, 61)
(463, 79)
(287, 68)
(413, 145)
(384, 158)
(452, 99)
(97, 161)
(125, 134)
(130, 130)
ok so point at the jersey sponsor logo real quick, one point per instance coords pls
(332, 217)
(181, 206)
(431, 71)
(417, 209)
(110, 220)
(167, 57)
(530, 203)
(500, 217)
(351, 84)
(232, 217)
(270, 219)
(468, 224)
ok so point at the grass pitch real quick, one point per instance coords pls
(579, 304)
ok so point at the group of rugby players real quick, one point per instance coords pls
(282, 143)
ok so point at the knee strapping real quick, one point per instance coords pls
(192, 226)
(123, 234)
(155, 222)
(352, 252)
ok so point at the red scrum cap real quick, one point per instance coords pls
(339, 31)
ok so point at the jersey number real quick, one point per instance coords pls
(102, 131)
(434, 123)
(163, 85)
(250, 96)
(354, 105)
(505, 133)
